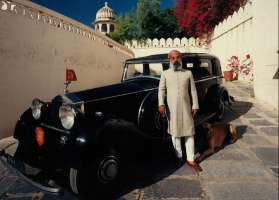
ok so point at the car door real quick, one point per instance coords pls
(208, 82)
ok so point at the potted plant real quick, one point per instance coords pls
(233, 68)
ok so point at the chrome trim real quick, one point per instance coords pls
(79, 105)
(106, 173)
(51, 127)
(152, 77)
(72, 109)
(63, 140)
(141, 107)
(206, 79)
(98, 114)
(22, 176)
(123, 94)
(41, 104)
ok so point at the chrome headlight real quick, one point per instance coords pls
(36, 108)
(67, 116)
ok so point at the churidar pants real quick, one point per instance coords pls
(189, 143)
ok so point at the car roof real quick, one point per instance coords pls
(164, 58)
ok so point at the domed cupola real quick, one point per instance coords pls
(105, 20)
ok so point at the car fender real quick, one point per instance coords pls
(25, 133)
(149, 118)
(222, 90)
(105, 132)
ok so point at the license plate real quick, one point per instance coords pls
(16, 164)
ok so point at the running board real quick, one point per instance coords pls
(18, 167)
(203, 117)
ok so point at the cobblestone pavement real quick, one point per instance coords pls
(247, 169)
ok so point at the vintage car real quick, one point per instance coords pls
(92, 134)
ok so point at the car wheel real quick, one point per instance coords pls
(221, 108)
(104, 174)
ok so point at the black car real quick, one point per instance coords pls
(92, 133)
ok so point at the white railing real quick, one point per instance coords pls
(155, 43)
(67, 24)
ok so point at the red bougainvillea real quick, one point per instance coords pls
(199, 17)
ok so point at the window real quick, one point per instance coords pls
(190, 63)
(205, 67)
(151, 69)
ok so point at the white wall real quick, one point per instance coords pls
(36, 47)
(252, 30)
(265, 51)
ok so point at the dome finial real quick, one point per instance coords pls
(106, 3)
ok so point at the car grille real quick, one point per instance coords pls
(56, 103)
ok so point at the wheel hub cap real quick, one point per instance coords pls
(108, 169)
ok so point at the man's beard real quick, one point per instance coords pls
(176, 65)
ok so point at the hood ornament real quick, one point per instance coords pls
(66, 91)
(70, 76)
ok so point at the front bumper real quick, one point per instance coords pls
(21, 169)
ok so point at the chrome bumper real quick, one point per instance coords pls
(19, 169)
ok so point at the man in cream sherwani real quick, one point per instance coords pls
(181, 124)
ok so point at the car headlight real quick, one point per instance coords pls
(36, 108)
(67, 116)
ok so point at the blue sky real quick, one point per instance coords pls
(84, 11)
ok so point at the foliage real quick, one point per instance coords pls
(199, 17)
(162, 24)
(147, 22)
(245, 69)
(127, 29)
(233, 64)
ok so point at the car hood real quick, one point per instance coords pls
(109, 91)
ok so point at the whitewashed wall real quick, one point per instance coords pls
(232, 37)
(159, 46)
(36, 46)
(252, 30)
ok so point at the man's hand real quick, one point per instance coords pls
(161, 109)
(194, 112)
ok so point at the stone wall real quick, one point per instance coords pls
(252, 30)
(155, 46)
(36, 47)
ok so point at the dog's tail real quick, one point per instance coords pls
(233, 134)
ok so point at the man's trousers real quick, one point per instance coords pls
(189, 143)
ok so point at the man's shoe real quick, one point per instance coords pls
(195, 166)
(179, 162)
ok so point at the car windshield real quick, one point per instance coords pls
(146, 69)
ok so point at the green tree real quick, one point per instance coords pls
(146, 10)
(162, 24)
(147, 22)
(127, 29)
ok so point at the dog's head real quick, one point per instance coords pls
(207, 129)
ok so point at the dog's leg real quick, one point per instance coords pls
(207, 152)
(233, 134)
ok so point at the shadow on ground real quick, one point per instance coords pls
(232, 116)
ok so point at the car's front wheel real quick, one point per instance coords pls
(104, 174)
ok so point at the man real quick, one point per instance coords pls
(181, 124)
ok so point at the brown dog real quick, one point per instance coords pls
(216, 133)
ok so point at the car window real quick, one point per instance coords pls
(218, 67)
(190, 63)
(149, 69)
(205, 67)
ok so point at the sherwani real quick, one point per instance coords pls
(180, 118)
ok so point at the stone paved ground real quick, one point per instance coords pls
(247, 169)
